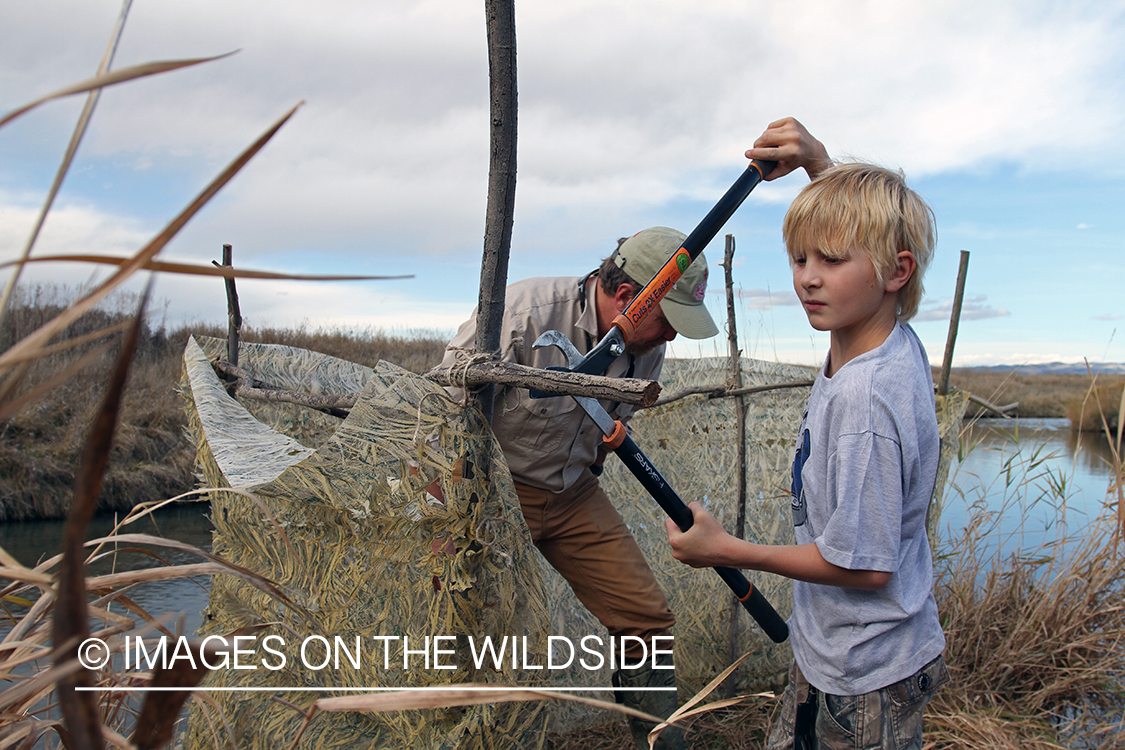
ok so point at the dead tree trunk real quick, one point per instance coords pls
(501, 18)
(234, 313)
(954, 321)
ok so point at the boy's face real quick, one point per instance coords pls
(842, 294)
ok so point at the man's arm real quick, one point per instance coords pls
(787, 142)
(706, 544)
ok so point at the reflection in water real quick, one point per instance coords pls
(1092, 449)
(1045, 481)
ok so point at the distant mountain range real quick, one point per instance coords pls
(1058, 368)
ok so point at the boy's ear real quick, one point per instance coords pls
(905, 266)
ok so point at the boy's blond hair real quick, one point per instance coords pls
(869, 209)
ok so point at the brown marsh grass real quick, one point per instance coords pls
(1039, 395)
(151, 459)
(1102, 409)
(45, 689)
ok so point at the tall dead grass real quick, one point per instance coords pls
(1036, 638)
(1039, 395)
(1100, 409)
(152, 459)
(45, 687)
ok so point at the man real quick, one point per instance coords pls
(554, 451)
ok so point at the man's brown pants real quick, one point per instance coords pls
(584, 538)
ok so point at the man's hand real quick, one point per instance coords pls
(787, 142)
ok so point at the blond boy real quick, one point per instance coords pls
(866, 638)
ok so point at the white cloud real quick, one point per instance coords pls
(622, 104)
(70, 228)
(765, 299)
(973, 307)
(628, 109)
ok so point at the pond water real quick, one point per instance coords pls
(32, 541)
(1038, 476)
(1038, 480)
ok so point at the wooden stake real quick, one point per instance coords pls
(740, 412)
(234, 315)
(954, 321)
(501, 21)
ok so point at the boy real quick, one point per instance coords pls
(865, 633)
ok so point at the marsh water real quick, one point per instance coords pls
(33, 541)
(1022, 470)
(1039, 481)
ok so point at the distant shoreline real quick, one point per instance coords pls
(152, 458)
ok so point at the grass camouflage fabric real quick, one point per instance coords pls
(369, 555)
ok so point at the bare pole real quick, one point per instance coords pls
(234, 314)
(740, 412)
(501, 21)
(954, 321)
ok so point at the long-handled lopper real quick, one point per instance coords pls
(613, 343)
(618, 440)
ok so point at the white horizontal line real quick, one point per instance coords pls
(435, 689)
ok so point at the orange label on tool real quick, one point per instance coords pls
(664, 280)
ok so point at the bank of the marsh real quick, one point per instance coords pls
(152, 458)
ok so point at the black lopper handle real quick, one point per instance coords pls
(653, 481)
(706, 230)
(612, 344)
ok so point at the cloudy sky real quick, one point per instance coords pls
(1008, 117)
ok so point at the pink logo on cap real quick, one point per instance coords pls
(701, 288)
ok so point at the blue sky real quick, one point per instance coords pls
(1006, 116)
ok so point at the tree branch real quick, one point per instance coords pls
(640, 393)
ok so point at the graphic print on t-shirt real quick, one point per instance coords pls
(800, 511)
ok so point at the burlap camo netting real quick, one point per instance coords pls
(360, 548)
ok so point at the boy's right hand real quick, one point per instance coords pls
(787, 142)
(701, 546)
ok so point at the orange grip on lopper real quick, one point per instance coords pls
(613, 441)
(625, 327)
(649, 297)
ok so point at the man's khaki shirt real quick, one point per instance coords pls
(550, 442)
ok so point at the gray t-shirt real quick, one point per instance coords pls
(863, 474)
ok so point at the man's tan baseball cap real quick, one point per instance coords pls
(643, 254)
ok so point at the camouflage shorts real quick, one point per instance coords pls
(889, 718)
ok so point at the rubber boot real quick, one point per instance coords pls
(662, 703)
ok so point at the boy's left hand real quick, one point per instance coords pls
(787, 142)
